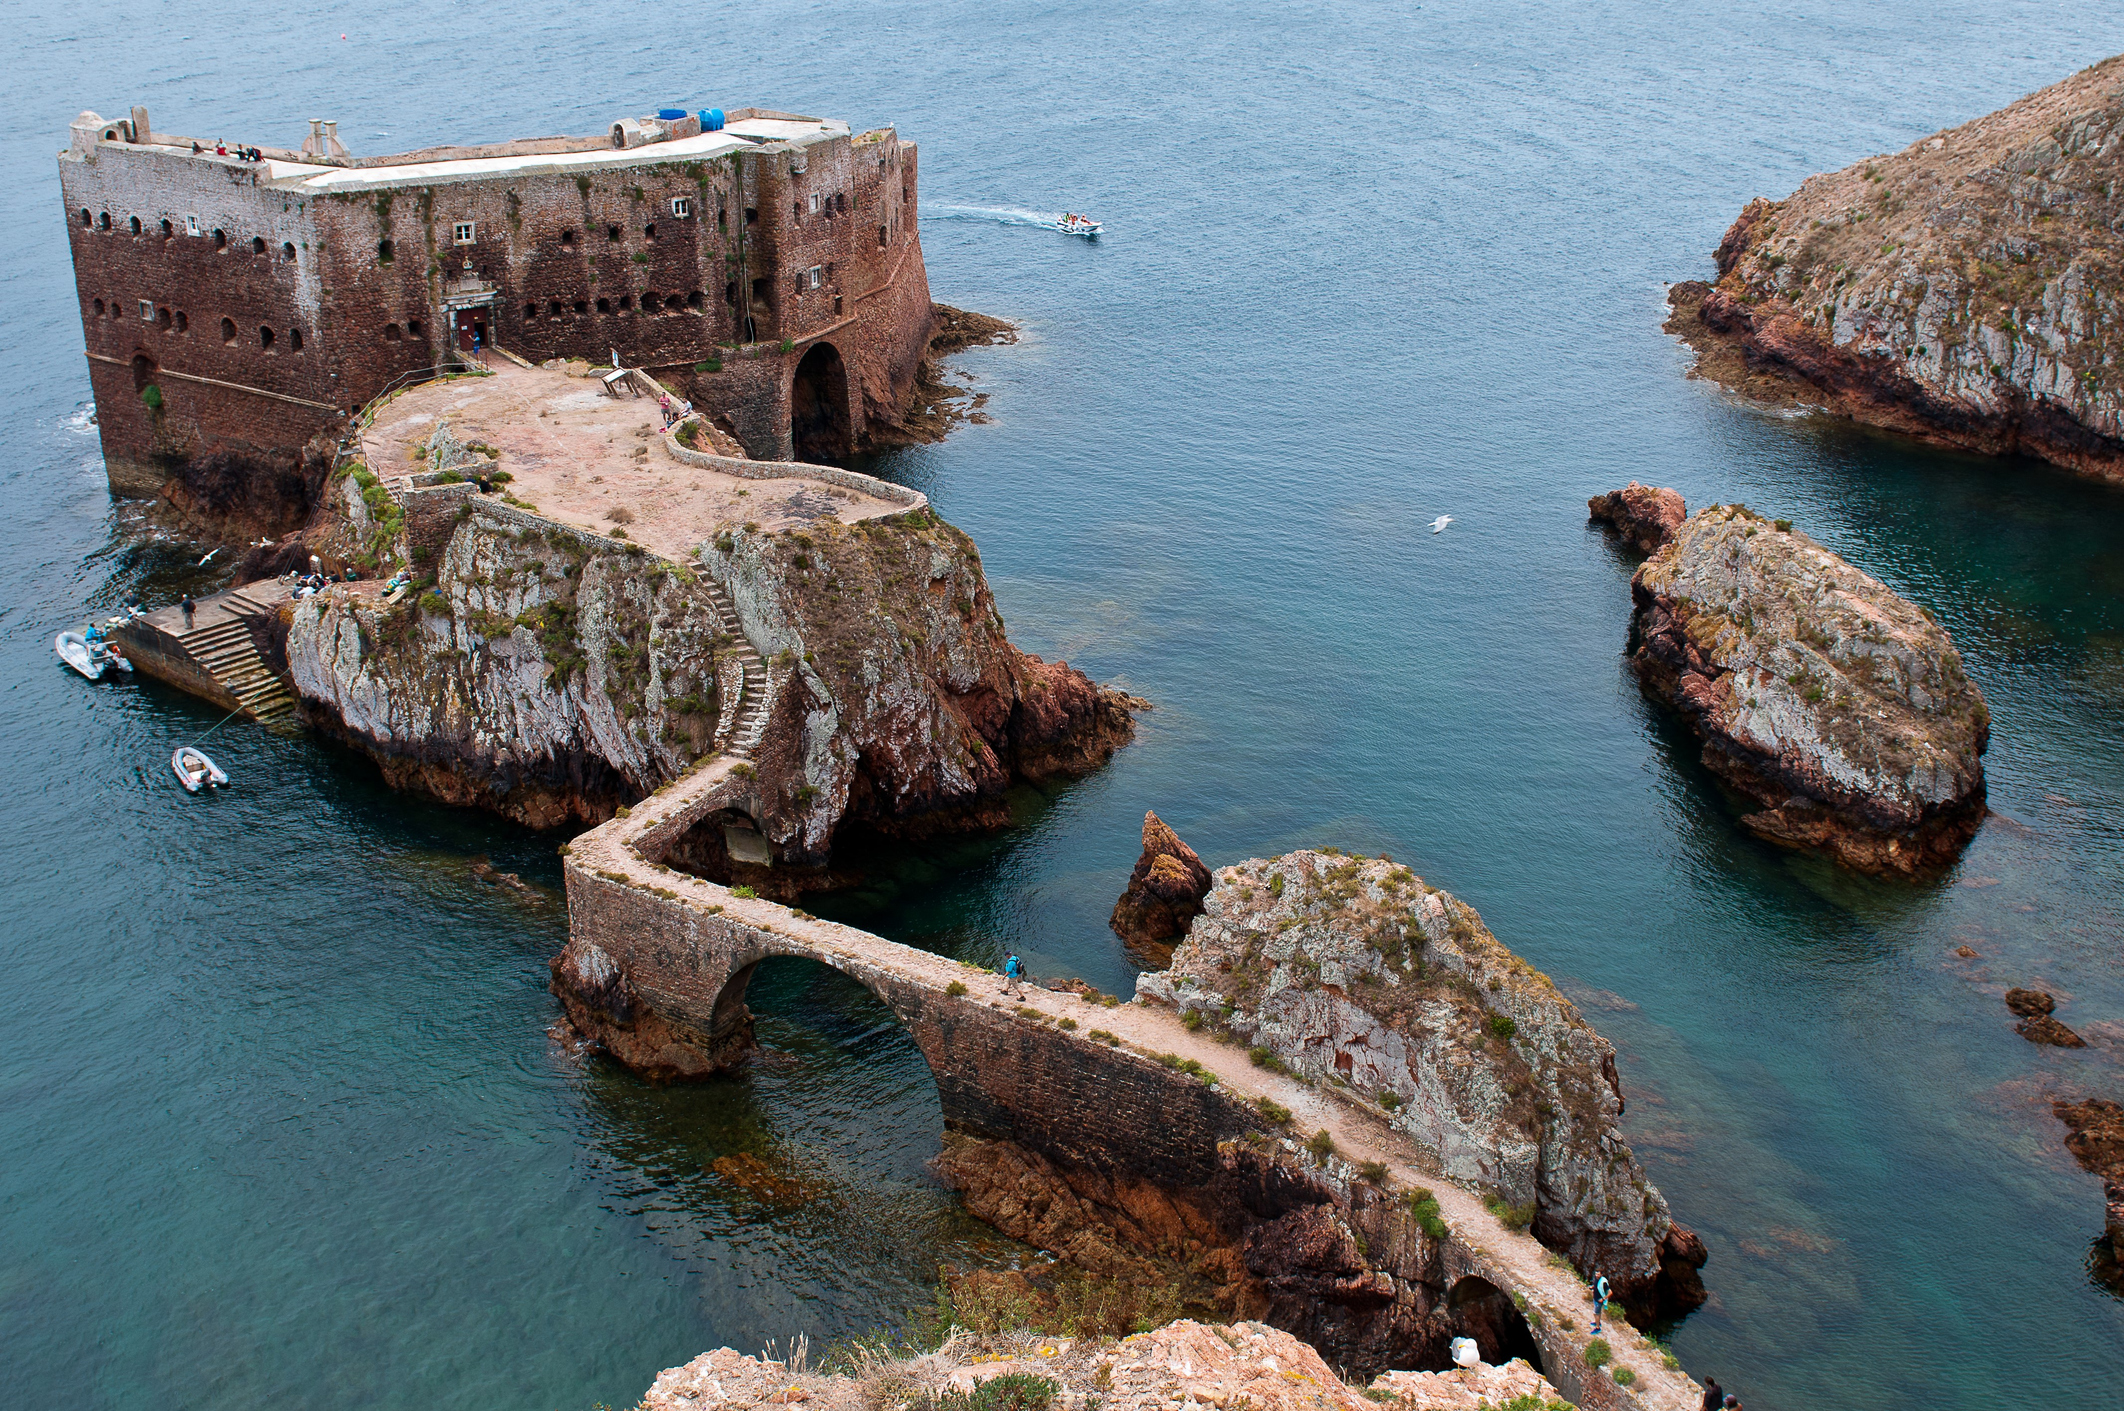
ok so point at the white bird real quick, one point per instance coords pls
(1438, 525)
(210, 554)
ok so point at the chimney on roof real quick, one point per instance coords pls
(140, 124)
(313, 145)
(332, 144)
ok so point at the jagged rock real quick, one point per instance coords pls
(1355, 971)
(2096, 1140)
(1274, 1235)
(2029, 1003)
(2042, 1029)
(1164, 893)
(1965, 290)
(1645, 517)
(907, 712)
(1837, 706)
(1184, 1363)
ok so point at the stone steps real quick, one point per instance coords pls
(741, 736)
(224, 651)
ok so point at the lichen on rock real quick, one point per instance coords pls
(1354, 971)
(1965, 290)
(1838, 707)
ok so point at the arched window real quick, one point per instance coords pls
(228, 331)
(182, 322)
(258, 244)
(99, 308)
(103, 222)
(221, 240)
(567, 237)
(287, 250)
(168, 230)
(265, 338)
(136, 225)
(612, 232)
(163, 319)
(295, 339)
(626, 303)
(391, 333)
(694, 301)
(604, 306)
(383, 252)
(649, 231)
(649, 303)
(86, 218)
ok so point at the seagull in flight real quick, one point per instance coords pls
(203, 562)
(1438, 525)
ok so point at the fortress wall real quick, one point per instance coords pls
(193, 283)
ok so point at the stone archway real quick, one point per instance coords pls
(818, 407)
(1478, 1309)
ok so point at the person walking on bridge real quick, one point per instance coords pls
(1012, 971)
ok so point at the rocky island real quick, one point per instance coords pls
(1839, 708)
(1965, 290)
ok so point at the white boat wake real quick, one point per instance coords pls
(1014, 215)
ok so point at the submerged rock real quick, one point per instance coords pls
(1965, 290)
(1164, 893)
(1837, 706)
(1645, 517)
(2037, 1026)
(2096, 1140)
(1356, 972)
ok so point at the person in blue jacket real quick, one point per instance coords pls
(1012, 970)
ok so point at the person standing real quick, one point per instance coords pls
(1011, 971)
(1600, 1299)
(189, 608)
(1714, 1395)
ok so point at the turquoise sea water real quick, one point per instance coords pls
(282, 1122)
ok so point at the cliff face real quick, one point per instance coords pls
(1838, 706)
(1354, 971)
(1965, 289)
(904, 709)
(555, 677)
(539, 677)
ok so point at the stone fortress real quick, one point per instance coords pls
(239, 302)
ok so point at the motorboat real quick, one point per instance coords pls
(195, 771)
(91, 656)
(1074, 224)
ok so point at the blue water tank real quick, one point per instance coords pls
(712, 120)
(670, 114)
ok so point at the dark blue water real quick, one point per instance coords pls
(282, 1120)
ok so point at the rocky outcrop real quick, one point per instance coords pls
(905, 710)
(555, 677)
(1183, 1363)
(1839, 708)
(1968, 290)
(2037, 1026)
(1164, 892)
(1646, 518)
(2096, 1139)
(1277, 1235)
(1355, 972)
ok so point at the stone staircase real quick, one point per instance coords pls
(223, 649)
(740, 736)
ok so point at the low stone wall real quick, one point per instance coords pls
(790, 470)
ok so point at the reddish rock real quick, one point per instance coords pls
(1164, 893)
(1645, 517)
(2096, 1139)
(2029, 1003)
(2042, 1029)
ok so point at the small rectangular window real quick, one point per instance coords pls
(681, 206)
(191, 225)
(816, 199)
(466, 230)
(812, 276)
(147, 310)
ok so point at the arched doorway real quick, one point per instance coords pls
(818, 407)
(1477, 1308)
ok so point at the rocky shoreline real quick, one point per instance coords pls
(1838, 708)
(1963, 291)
